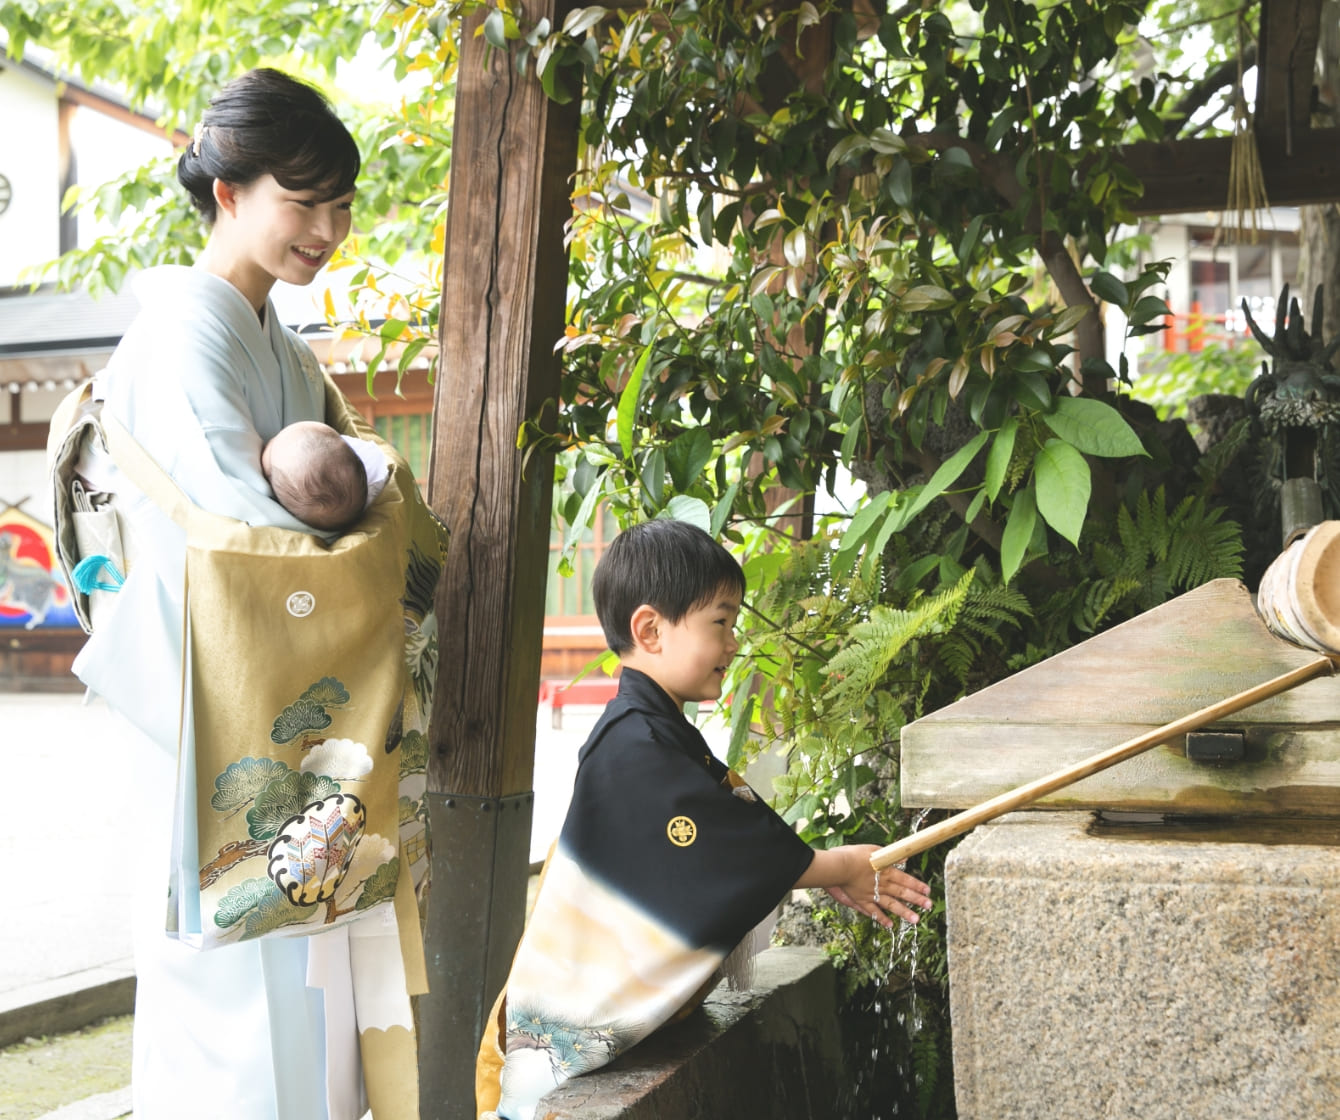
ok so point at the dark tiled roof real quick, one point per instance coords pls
(47, 321)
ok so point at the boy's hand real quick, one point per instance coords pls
(845, 873)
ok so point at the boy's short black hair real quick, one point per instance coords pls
(669, 565)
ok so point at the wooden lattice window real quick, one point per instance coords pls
(568, 598)
(412, 435)
(404, 420)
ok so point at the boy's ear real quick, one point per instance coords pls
(645, 628)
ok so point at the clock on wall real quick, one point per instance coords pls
(6, 192)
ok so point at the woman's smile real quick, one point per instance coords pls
(312, 257)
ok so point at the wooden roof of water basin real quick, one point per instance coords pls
(1187, 654)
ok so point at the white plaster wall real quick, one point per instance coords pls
(30, 160)
(23, 475)
(1169, 242)
(104, 149)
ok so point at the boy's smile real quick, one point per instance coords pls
(689, 658)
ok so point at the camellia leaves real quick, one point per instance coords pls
(847, 146)
(1107, 287)
(494, 30)
(1030, 390)
(693, 510)
(1093, 427)
(970, 237)
(1062, 479)
(687, 455)
(925, 297)
(583, 19)
(1018, 532)
(862, 523)
(579, 523)
(998, 458)
(1070, 318)
(627, 414)
(900, 182)
(722, 510)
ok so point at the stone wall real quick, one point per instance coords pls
(771, 1053)
(1166, 971)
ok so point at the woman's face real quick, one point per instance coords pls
(265, 232)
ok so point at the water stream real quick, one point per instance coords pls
(903, 944)
(896, 1033)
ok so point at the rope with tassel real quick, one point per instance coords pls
(1246, 183)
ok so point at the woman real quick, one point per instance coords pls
(265, 1028)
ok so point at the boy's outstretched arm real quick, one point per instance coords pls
(846, 874)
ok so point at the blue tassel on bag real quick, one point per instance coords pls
(87, 575)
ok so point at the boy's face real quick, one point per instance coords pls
(696, 650)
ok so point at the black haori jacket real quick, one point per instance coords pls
(666, 860)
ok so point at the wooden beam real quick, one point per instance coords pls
(108, 108)
(1190, 175)
(503, 297)
(1290, 30)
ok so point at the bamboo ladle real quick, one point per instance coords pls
(1022, 795)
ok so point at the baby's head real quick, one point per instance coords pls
(316, 475)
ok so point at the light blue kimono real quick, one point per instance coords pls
(201, 382)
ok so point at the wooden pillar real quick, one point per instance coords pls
(503, 297)
(1287, 59)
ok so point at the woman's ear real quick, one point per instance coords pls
(225, 197)
(645, 628)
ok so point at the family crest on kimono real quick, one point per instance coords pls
(279, 813)
(666, 860)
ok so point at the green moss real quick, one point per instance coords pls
(40, 1075)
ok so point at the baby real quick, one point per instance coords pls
(324, 479)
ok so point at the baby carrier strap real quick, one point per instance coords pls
(140, 467)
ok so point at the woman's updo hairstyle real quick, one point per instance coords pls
(267, 123)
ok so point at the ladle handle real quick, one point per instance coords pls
(1022, 795)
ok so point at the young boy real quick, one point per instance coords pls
(666, 859)
(324, 479)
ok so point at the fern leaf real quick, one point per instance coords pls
(926, 1068)
(863, 663)
(1206, 546)
(1217, 459)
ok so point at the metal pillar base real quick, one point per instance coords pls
(476, 911)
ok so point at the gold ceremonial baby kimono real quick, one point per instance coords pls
(282, 685)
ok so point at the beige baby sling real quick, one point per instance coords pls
(303, 701)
